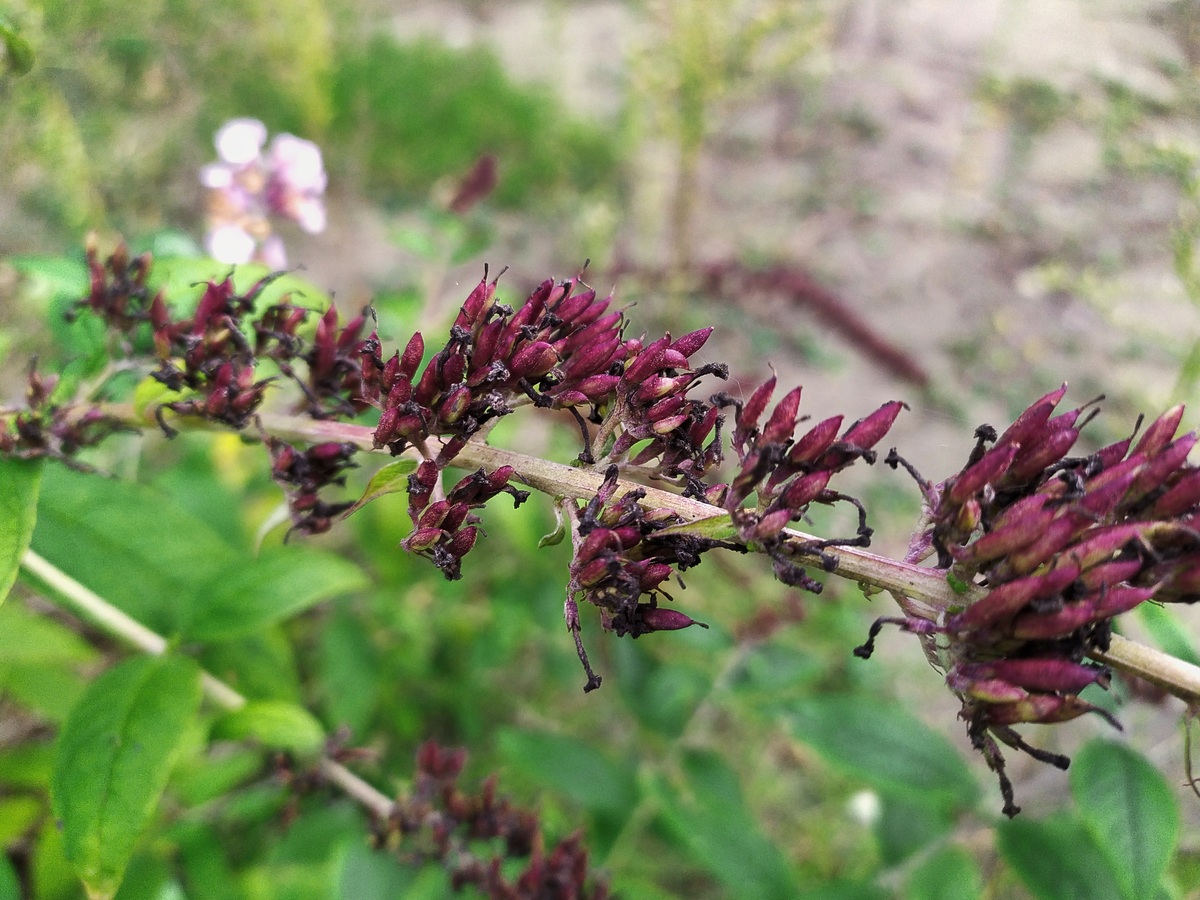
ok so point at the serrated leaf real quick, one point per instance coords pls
(19, 483)
(949, 874)
(274, 723)
(1130, 812)
(390, 479)
(884, 745)
(114, 755)
(1057, 859)
(267, 590)
(709, 819)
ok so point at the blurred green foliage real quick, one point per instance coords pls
(110, 125)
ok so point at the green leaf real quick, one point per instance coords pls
(275, 723)
(885, 746)
(206, 778)
(267, 590)
(19, 483)
(709, 818)
(18, 54)
(17, 816)
(48, 691)
(949, 874)
(29, 639)
(260, 666)
(908, 823)
(390, 479)
(114, 755)
(26, 766)
(569, 766)
(1057, 859)
(846, 889)
(1129, 810)
(10, 886)
(350, 679)
(134, 546)
(1171, 637)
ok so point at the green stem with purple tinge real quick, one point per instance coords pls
(923, 585)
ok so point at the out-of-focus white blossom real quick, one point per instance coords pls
(247, 187)
(231, 244)
(240, 141)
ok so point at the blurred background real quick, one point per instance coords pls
(957, 203)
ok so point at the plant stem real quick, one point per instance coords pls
(928, 586)
(113, 621)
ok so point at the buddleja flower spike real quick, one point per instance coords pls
(1047, 549)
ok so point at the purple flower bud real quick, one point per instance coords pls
(647, 362)
(1180, 497)
(987, 470)
(1040, 673)
(385, 432)
(596, 571)
(1032, 461)
(669, 424)
(462, 541)
(1013, 529)
(869, 431)
(1163, 465)
(455, 404)
(598, 540)
(660, 618)
(1100, 544)
(782, 422)
(422, 540)
(471, 309)
(434, 514)
(1057, 535)
(803, 490)
(1006, 600)
(533, 360)
(1046, 708)
(1029, 423)
(655, 387)
(598, 387)
(989, 690)
(747, 417)
(1160, 432)
(770, 525)
(818, 439)
(1106, 575)
(690, 343)
(414, 351)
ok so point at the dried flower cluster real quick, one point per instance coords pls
(473, 835)
(46, 428)
(1063, 544)
(1048, 548)
(787, 474)
(445, 530)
